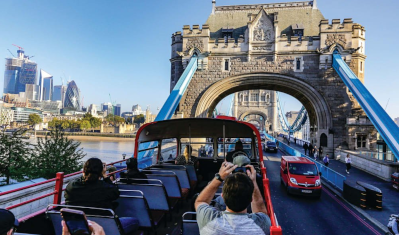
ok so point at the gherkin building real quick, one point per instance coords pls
(72, 97)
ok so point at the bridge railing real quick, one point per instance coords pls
(328, 174)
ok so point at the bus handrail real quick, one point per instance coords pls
(275, 229)
(59, 182)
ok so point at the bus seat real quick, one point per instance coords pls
(182, 175)
(190, 169)
(169, 180)
(155, 194)
(110, 223)
(189, 224)
(136, 206)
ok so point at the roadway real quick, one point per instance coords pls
(302, 215)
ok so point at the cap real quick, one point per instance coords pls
(241, 160)
(8, 221)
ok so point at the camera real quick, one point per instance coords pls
(241, 169)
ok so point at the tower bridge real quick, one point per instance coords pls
(285, 47)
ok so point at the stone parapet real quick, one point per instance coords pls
(379, 168)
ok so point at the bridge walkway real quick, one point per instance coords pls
(390, 196)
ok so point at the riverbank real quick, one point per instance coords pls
(97, 138)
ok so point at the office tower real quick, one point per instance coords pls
(59, 93)
(32, 92)
(19, 72)
(117, 110)
(46, 85)
(72, 97)
(107, 107)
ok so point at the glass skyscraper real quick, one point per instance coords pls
(59, 93)
(19, 72)
(27, 75)
(117, 110)
(72, 97)
(46, 85)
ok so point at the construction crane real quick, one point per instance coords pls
(11, 52)
(20, 48)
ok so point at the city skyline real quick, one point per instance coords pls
(130, 60)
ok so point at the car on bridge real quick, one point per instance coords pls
(270, 146)
(300, 176)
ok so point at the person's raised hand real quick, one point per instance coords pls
(251, 172)
(95, 228)
(226, 169)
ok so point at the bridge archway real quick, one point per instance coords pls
(315, 103)
(254, 116)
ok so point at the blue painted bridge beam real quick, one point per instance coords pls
(174, 98)
(169, 108)
(377, 115)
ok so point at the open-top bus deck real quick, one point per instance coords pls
(164, 203)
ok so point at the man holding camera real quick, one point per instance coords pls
(239, 190)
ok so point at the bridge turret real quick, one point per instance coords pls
(176, 60)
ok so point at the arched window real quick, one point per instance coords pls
(323, 140)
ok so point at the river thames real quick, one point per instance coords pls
(107, 149)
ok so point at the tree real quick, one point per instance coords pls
(139, 119)
(14, 153)
(34, 119)
(65, 124)
(56, 153)
(84, 124)
(114, 119)
(95, 122)
(87, 116)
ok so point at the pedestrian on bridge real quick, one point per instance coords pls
(326, 160)
(320, 153)
(305, 147)
(310, 148)
(315, 152)
(348, 162)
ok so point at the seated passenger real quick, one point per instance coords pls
(133, 171)
(8, 222)
(188, 158)
(240, 161)
(180, 160)
(91, 190)
(239, 190)
(238, 148)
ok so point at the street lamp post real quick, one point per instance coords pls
(124, 156)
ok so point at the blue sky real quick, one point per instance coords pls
(122, 47)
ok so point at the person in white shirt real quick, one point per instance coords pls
(348, 162)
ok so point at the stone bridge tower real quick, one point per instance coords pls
(283, 47)
(259, 105)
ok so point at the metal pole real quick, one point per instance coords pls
(59, 182)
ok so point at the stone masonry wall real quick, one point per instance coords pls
(325, 81)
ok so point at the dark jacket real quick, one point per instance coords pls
(95, 194)
(133, 174)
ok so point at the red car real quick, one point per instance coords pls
(300, 176)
